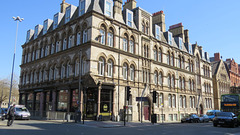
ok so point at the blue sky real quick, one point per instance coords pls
(214, 24)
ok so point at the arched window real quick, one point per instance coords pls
(57, 46)
(85, 36)
(110, 68)
(190, 85)
(147, 28)
(174, 101)
(181, 101)
(42, 52)
(170, 100)
(68, 69)
(169, 81)
(35, 77)
(102, 33)
(179, 61)
(180, 83)
(143, 27)
(155, 53)
(50, 74)
(125, 71)
(131, 45)
(55, 71)
(40, 76)
(155, 78)
(183, 83)
(172, 60)
(192, 66)
(193, 85)
(168, 58)
(76, 67)
(84, 64)
(125, 43)
(184, 102)
(173, 82)
(190, 102)
(44, 75)
(110, 38)
(160, 55)
(101, 66)
(70, 41)
(193, 102)
(64, 44)
(132, 72)
(183, 65)
(46, 50)
(62, 71)
(78, 38)
(52, 49)
(160, 79)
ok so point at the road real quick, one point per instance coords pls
(32, 127)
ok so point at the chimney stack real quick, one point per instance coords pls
(216, 56)
(64, 5)
(130, 4)
(177, 31)
(186, 35)
(159, 19)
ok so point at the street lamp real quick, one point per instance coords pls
(18, 19)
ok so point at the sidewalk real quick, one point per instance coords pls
(112, 124)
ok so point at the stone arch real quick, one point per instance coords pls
(112, 58)
(102, 55)
(125, 61)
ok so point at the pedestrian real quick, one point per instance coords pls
(11, 115)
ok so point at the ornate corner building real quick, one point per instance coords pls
(101, 49)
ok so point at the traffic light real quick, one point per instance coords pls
(154, 96)
(128, 92)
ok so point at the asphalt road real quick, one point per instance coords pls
(32, 127)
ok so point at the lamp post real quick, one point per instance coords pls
(18, 19)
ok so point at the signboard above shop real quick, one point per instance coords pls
(143, 99)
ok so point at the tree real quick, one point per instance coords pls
(4, 92)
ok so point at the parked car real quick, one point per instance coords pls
(192, 118)
(21, 112)
(1, 114)
(204, 118)
(225, 118)
(212, 113)
(4, 112)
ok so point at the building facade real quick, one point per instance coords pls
(221, 81)
(106, 49)
(233, 72)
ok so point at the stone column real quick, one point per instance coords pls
(113, 107)
(41, 103)
(54, 99)
(99, 99)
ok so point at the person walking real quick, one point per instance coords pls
(11, 115)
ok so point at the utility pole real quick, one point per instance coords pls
(18, 19)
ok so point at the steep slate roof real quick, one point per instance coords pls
(95, 6)
(215, 66)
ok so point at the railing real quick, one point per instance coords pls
(50, 115)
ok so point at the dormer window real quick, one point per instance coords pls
(56, 19)
(68, 14)
(109, 8)
(157, 32)
(45, 27)
(37, 30)
(46, 24)
(55, 23)
(180, 43)
(170, 38)
(81, 7)
(129, 18)
(29, 35)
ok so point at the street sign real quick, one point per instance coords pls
(143, 98)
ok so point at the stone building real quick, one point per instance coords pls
(221, 81)
(106, 49)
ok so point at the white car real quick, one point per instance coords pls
(21, 112)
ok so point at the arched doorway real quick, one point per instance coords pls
(201, 109)
(146, 110)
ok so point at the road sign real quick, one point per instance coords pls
(143, 98)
